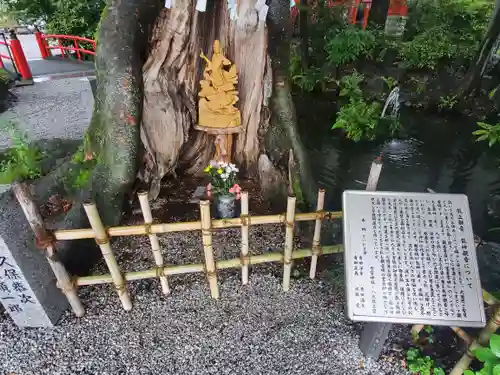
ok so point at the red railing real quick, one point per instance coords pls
(62, 45)
(15, 55)
(3, 42)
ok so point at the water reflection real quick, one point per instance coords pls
(431, 153)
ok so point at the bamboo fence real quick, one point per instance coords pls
(161, 271)
(46, 240)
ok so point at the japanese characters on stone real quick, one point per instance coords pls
(14, 293)
(411, 257)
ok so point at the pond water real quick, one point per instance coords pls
(432, 152)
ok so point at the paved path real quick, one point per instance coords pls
(39, 67)
(59, 108)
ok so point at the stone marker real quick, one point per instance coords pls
(28, 288)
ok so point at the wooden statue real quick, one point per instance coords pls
(217, 110)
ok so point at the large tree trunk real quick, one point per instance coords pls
(171, 82)
(475, 74)
(114, 130)
(149, 91)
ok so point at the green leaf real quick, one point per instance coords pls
(485, 355)
(495, 344)
(480, 131)
(468, 372)
(438, 371)
(496, 370)
(482, 138)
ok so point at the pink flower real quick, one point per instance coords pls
(238, 196)
(236, 189)
(209, 187)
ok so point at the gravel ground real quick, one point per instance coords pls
(256, 329)
(52, 109)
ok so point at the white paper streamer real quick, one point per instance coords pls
(201, 5)
(233, 9)
(263, 13)
(259, 4)
(168, 3)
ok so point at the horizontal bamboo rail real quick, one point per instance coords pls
(206, 225)
(199, 267)
(146, 229)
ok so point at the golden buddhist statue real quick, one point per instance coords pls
(218, 96)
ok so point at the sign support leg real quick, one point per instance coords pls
(373, 338)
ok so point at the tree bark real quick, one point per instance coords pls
(114, 130)
(475, 74)
(171, 83)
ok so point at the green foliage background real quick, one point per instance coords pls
(72, 17)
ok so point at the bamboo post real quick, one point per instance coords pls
(415, 332)
(463, 335)
(287, 258)
(43, 238)
(374, 334)
(374, 176)
(153, 238)
(102, 240)
(317, 234)
(244, 237)
(206, 232)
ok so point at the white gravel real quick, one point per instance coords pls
(256, 329)
(52, 109)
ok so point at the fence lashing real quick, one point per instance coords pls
(102, 240)
(153, 239)
(34, 218)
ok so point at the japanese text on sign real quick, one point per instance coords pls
(14, 293)
(411, 258)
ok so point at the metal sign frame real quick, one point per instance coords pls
(350, 217)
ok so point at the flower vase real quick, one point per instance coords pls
(226, 206)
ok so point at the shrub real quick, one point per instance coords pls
(349, 85)
(420, 364)
(487, 132)
(358, 119)
(444, 29)
(73, 17)
(489, 356)
(83, 163)
(348, 44)
(22, 160)
(427, 49)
